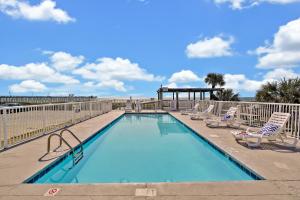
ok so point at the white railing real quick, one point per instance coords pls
(254, 114)
(22, 123)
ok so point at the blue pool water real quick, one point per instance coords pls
(146, 148)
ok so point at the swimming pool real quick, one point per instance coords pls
(146, 148)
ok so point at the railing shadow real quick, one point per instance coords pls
(272, 146)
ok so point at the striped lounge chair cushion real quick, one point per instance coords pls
(268, 129)
(226, 117)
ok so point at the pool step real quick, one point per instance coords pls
(77, 157)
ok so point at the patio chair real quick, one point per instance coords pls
(138, 106)
(128, 107)
(271, 130)
(195, 109)
(203, 115)
(227, 120)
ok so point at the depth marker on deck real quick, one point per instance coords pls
(52, 192)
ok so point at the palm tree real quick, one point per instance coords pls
(284, 91)
(268, 93)
(227, 95)
(214, 80)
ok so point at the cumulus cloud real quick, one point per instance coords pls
(115, 69)
(117, 85)
(111, 73)
(241, 4)
(184, 76)
(35, 71)
(284, 52)
(108, 84)
(278, 74)
(239, 82)
(28, 86)
(63, 61)
(217, 46)
(44, 11)
(106, 73)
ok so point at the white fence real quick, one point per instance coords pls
(22, 123)
(254, 114)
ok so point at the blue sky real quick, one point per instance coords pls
(130, 47)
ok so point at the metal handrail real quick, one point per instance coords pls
(61, 139)
(67, 130)
(76, 156)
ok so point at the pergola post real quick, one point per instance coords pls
(173, 96)
(189, 96)
(177, 103)
(194, 96)
(161, 99)
(201, 95)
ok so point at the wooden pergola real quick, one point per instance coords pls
(190, 91)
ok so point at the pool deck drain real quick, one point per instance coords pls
(280, 168)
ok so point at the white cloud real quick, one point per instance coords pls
(63, 61)
(117, 85)
(171, 85)
(35, 71)
(184, 76)
(110, 73)
(106, 73)
(115, 69)
(284, 52)
(210, 47)
(28, 86)
(278, 74)
(241, 4)
(45, 11)
(114, 84)
(239, 82)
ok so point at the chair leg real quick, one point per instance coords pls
(254, 144)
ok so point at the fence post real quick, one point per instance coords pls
(251, 111)
(220, 108)
(73, 113)
(238, 112)
(90, 109)
(279, 108)
(5, 145)
(44, 118)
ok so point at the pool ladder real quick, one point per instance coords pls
(77, 156)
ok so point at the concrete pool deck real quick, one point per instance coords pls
(278, 164)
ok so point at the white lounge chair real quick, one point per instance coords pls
(173, 106)
(195, 109)
(271, 130)
(138, 106)
(128, 107)
(226, 120)
(203, 115)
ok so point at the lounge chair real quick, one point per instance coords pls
(271, 130)
(173, 105)
(195, 109)
(128, 107)
(226, 120)
(138, 106)
(202, 115)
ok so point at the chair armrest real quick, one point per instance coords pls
(252, 129)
